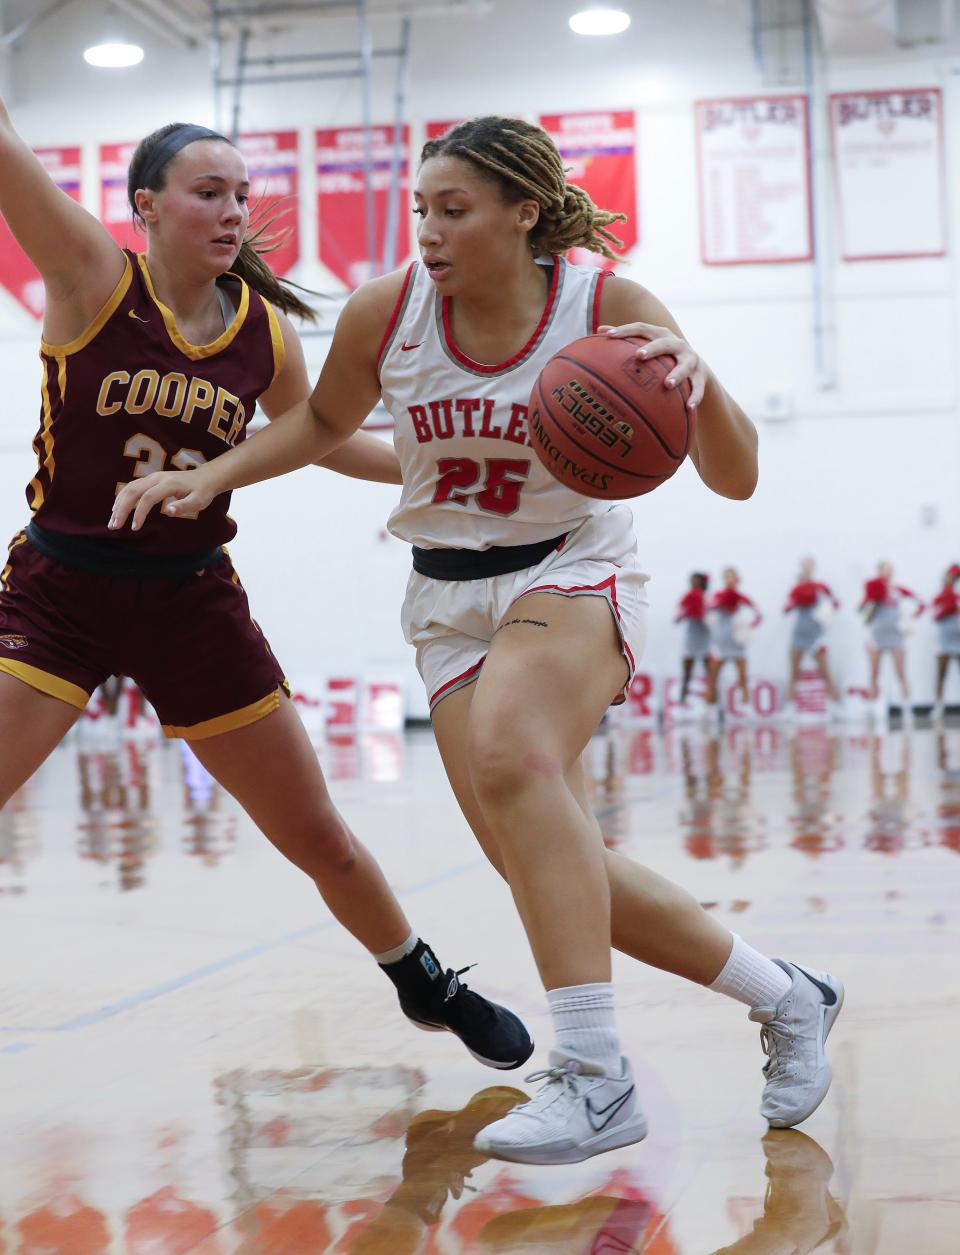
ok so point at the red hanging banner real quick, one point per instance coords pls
(273, 163)
(115, 212)
(17, 272)
(436, 130)
(600, 150)
(341, 201)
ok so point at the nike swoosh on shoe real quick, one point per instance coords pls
(612, 1107)
(829, 995)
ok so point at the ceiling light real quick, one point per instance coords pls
(113, 56)
(600, 22)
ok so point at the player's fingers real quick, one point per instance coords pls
(663, 344)
(125, 500)
(184, 505)
(698, 384)
(645, 329)
(153, 496)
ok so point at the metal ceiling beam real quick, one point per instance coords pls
(13, 37)
(166, 27)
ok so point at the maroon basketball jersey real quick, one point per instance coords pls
(131, 396)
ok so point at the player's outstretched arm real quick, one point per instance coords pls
(724, 449)
(78, 260)
(346, 392)
(362, 456)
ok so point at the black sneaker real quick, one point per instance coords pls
(438, 1002)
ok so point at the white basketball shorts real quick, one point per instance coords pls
(451, 622)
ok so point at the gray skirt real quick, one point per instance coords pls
(885, 628)
(807, 629)
(948, 635)
(696, 639)
(724, 643)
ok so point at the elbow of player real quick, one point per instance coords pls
(741, 487)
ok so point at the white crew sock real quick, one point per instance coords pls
(751, 977)
(585, 1024)
(398, 952)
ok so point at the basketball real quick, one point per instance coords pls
(603, 423)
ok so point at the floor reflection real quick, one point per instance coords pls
(798, 1214)
(719, 820)
(209, 1069)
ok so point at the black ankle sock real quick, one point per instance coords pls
(416, 973)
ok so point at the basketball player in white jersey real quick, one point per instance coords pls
(527, 606)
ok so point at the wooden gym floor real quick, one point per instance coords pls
(195, 1058)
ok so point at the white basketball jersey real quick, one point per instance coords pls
(470, 477)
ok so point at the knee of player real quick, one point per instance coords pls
(334, 846)
(503, 767)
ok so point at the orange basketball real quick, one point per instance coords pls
(603, 423)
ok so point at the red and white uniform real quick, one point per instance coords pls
(470, 477)
(806, 594)
(471, 481)
(945, 604)
(725, 639)
(692, 612)
(885, 618)
(692, 605)
(946, 615)
(881, 592)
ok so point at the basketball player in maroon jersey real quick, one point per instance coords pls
(526, 603)
(153, 360)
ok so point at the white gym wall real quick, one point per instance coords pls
(864, 467)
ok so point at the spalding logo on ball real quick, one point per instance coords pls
(603, 423)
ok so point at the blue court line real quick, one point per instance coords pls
(201, 973)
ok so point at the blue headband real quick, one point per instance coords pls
(171, 145)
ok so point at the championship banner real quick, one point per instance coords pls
(341, 201)
(753, 164)
(888, 161)
(599, 150)
(437, 130)
(273, 163)
(115, 212)
(17, 273)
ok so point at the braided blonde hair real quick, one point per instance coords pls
(525, 162)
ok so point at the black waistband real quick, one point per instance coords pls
(103, 557)
(481, 564)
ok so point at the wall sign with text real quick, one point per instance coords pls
(753, 161)
(888, 161)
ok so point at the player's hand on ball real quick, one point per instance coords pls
(180, 493)
(690, 365)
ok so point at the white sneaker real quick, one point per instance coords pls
(579, 1111)
(793, 1037)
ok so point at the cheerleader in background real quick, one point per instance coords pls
(692, 611)
(810, 602)
(883, 613)
(946, 615)
(729, 634)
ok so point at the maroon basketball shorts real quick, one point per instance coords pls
(188, 642)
